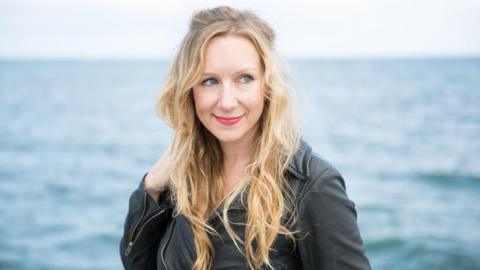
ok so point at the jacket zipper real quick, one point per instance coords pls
(166, 244)
(132, 241)
(132, 232)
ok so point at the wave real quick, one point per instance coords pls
(447, 178)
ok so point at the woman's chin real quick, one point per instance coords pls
(228, 138)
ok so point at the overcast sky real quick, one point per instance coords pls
(321, 28)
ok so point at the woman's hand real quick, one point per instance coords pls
(157, 178)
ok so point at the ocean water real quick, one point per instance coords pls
(77, 136)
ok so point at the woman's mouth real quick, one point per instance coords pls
(228, 121)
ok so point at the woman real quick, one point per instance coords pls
(237, 189)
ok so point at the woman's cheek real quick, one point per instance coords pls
(205, 99)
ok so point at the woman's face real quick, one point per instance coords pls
(229, 98)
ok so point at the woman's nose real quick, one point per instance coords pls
(227, 99)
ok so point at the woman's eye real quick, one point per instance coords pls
(246, 78)
(209, 82)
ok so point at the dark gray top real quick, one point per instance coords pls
(327, 238)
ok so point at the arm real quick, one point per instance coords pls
(144, 225)
(328, 219)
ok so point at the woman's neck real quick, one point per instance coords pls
(238, 152)
(237, 156)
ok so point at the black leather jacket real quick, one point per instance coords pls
(328, 235)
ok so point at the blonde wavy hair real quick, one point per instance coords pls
(197, 159)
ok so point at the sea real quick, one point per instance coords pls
(76, 137)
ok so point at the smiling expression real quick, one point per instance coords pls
(229, 97)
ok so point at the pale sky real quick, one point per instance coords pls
(321, 28)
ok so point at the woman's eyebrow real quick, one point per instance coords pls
(243, 70)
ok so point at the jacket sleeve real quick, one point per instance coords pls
(330, 238)
(144, 225)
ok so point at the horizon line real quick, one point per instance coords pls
(294, 58)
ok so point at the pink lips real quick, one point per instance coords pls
(228, 121)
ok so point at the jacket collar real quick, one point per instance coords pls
(299, 166)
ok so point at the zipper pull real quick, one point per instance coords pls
(129, 248)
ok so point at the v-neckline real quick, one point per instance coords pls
(237, 204)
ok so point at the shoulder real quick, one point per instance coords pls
(320, 187)
(312, 170)
(327, 219)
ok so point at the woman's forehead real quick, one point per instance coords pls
(231, 53)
